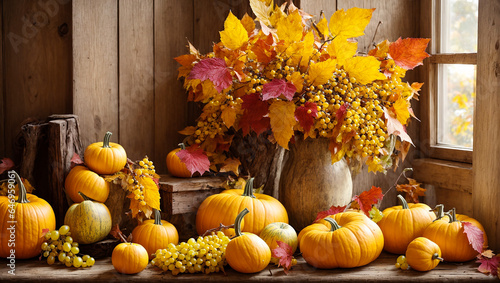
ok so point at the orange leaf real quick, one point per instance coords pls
(282, 115)
(413, 190)
(248, 23)
(368, 198)
(231, 165)
(409, 52)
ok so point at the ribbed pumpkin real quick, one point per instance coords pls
(463, 218)
(247, 252)
(31, 216)
(223, 208)
(403, 223)
(81, 179)
(90, 221)
(448, 234)
(129, 258)
(279, 231)
(155, 234)
(175, 166)
(423, 254)
(347, 239)
(105, 157)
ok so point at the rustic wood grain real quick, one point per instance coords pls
(315, 7)
(486, 155)
(461, 201)
(460, 58)
(446, 174)
(95, 68)
(32, 134)
(37, 63)
(173, 21)
(381, 270)
(57, 131)
(136, 78)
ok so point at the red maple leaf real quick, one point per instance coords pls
(474, 235)
(306, 117)
(332, 211)
(213, 69)
(366, 199)
(195, 159)
(254, 114)
(409, 52)
(6, 164)
(488, 263)
(277, 87)
(285, 255)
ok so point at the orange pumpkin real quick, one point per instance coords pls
(448, 234)
(246, 252)
(460, 217)
(22, 222)
(423, 254)
(155, 234)
(403, 223)
(129, 258)
(347, 239)
(175, 166)
(223, 208)
(105, 157)
(81, 179)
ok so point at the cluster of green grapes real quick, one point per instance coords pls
(401, 263)
(59, 245)
(275, 261)
(135, 187)
(205, 255)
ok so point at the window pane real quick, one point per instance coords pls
(456, 104)
(458, 26)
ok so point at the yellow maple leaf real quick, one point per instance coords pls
(401, 107)
(229, 116)
(320, 73)
(350, 23)
(381, 50)
(151, 192)
(341, 49)
(364, 69)
(290, 28)
(234, 34)
(282, 115)
(262, 10)
(323, 28)
(300, 52)
(276, 16)
(297, 80)
(231, 165)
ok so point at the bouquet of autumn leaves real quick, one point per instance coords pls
(284, 75)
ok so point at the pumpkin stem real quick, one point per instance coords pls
(84, 196)
(452, 214)
(157, 217)
(105, 142)
(182, 146)
(436, 256)
(22, 189)
(248, 191)
(335, 225)
(403, 202)
(237, 222)
(439, 211)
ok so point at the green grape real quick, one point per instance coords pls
(62, 257)
(77, 262)
(66, 247)
(64, 230)
(75, 250)
(54, 235)
(404, 266)
(45, 246)
(84, 264)
(68, 240)
(398, 265)
(68, 264)
(46, 253)
(51, 260)
(47, 235)
(401, 259)
(90, 261)
(85, 257)
(74, 244)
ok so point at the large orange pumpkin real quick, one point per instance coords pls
(440, 214)
(155, 234)
(403, 223)
(81, 179)
(448, 234)
(347, 239)
(223, 208)
(105, 157)
(22, 222)
(175, 166)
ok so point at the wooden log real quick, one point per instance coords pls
(32, 133)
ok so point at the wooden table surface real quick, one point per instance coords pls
(381, 270)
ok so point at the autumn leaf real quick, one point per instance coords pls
(151, 191)
(263, 50)
(409, 52)
(320, 73)
(350, 23)
(262, 11)
(282, 115)
(380, 51)
(195, 159)
(284, 253)
(6, 164)
(213, 69)
(364, 69)
(368, 198)
(375, 214)
(474, 235)
(290, 28)
(248, 23)
(400, 107)
(231, 165)
(277, 87)
(229, 116)
(331, 211)
(412, 189)
(234, 34)
(187, 131)
(297, 80)
(305, 115)
(118, 234)
(489, 263)
(322, 27)
(341, 49)
(254, 112)
(395, 127)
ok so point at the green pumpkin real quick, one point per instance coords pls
(90, 221)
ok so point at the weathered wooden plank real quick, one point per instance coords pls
(57, 132)
(315, 7)
(173, 21)
(461, 200)
(136, 77)
(95, 68)
(32, 134)
(446, 174)
(461, 58)
(486, 155)
(37, 59)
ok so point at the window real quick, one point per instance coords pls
(452, 79)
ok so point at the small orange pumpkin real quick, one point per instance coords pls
(403, 223)
(129, 258)
(175, 166)
(31, 215)
(247, 252)
(105, 157)
(423, 254)
(81, 179)
(155, 234)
